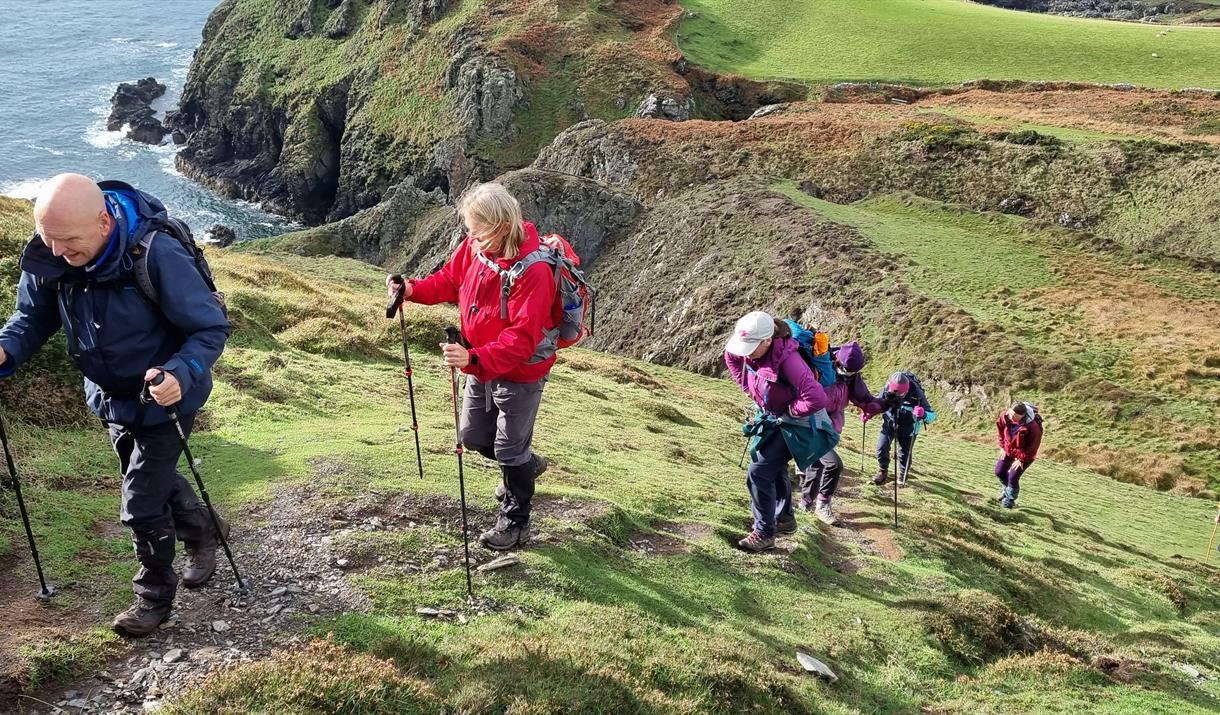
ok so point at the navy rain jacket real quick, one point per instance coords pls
(114, 333)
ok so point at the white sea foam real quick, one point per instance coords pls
(97, 136)
(27, 189)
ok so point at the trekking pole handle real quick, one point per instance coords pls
(145, 394)
(453, 335)
(392, 308)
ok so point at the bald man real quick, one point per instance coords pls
(82, 272)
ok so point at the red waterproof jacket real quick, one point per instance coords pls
(1024, 443)
(500, 349)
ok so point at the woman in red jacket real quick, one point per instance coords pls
(1019, 433)
(510, 351)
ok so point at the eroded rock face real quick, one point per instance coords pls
(488, 93)
(326, 153)
(589, 149)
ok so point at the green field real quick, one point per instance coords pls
(933, 42)
(966, 608)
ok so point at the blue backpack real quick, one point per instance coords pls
(815, 352)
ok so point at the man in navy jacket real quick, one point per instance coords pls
(79, 273)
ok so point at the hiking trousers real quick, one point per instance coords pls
(904, 433)
(498, 422)
(158, 503)
(821, 480)
(769, 484)
(1009, 474)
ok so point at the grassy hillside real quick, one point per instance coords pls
(1144, 392)
(928, 42)
(632, 597)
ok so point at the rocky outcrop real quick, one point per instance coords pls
(589, 149)
(220, 236)
(341, 22)
(587, 213)
(1105, 9)
(673, 109)
(326, 151)
(414, 231)
(487, 92)
(416, 13)
(131, 107)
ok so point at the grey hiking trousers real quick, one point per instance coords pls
(498, 422)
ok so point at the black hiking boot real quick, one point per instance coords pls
(785, 527)
(539, 464)
(142, 618)
(881, 477)
(201, 555)
(506, 536)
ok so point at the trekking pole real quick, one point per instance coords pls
(863, 442)
(895, 478)
(46, 591)
(243, 586)
(906, 473)
(396, 306)
(452, 336)
(1211, 542)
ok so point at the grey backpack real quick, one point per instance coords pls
(574, 296)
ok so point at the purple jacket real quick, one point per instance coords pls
(780, 382)
(850, 389)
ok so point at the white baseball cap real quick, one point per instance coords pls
(749, 333)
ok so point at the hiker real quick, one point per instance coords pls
(87, 269)
(905, 411)
(506, 359)
(1019, 433)
(790, 421)
(820, 482)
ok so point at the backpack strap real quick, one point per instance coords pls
(141, 251)
(509, 277)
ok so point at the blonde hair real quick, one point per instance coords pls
(492, 206)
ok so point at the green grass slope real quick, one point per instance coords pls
(632, 598)
(1145, 391)
(930, 42)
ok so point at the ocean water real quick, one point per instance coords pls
(60, 61)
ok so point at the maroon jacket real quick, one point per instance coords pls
(1024, 442)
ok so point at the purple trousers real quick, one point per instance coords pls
(1008, 474)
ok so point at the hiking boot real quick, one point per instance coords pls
(756, 543)
(201, 556)
(881, 477)
(142, 618)
(785, 527)
(807, 506)
(902, 479)
(1008, 498)
(824, 514)
(503, 538)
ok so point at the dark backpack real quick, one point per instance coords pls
(178, 230)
